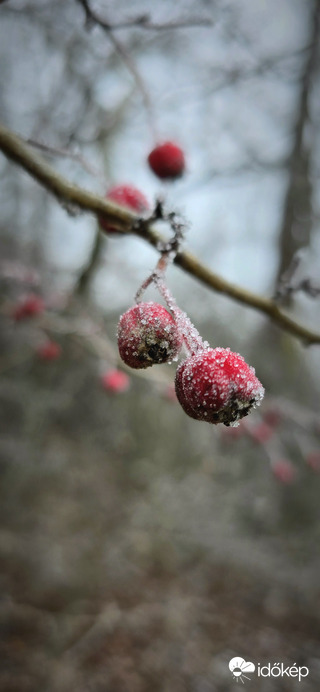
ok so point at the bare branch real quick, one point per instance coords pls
(144, 22)
(66, 154)
(67, 193)
(88, 271)
(93, 18)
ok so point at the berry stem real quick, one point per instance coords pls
(189, 333)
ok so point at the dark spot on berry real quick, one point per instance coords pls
(157, 353)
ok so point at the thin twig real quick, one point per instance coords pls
(93, 18)
(122, 219)
(143, 21)
(66, 154)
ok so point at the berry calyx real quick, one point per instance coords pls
(50, 350)
(125, 196)
(217, 386)
(115, 381)
(148, 335)
(31, 306)
(167, 160)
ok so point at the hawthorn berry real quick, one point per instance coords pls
(115, 381)
(125, 196)
(30, 306)
(167, 160)
(217, 386)
(148, 335)
(50, 350)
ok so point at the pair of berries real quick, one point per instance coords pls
(213, 385)
(167, 161)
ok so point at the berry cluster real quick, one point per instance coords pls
(167, 161)
(213, 385)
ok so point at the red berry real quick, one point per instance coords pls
(272, 417)
(167, 160)
(30, 306)
(170, 393)
(115, 381)
(261, 433)
(50, 350)
(283, 471)
(147, 335)
(217, 386)
(125, 196)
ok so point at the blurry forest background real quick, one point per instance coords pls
(141, 550)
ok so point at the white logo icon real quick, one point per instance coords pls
(239, 667)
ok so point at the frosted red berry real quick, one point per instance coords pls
(167, 160)
(217, 386)
(148, 335)
(50, 350)
(125, 196)
(115, 381)
(30, 306)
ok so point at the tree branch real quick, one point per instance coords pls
(78, 199)
(93, 18)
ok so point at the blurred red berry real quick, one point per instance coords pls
(261, 433)
(125, 196)
(284, 471)
(217, 386)
(170, 393)
(313, 461)
(167, 160)
(30, 306)
(115, 381)
(147, 335)
(272, 417)
(50, 350)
